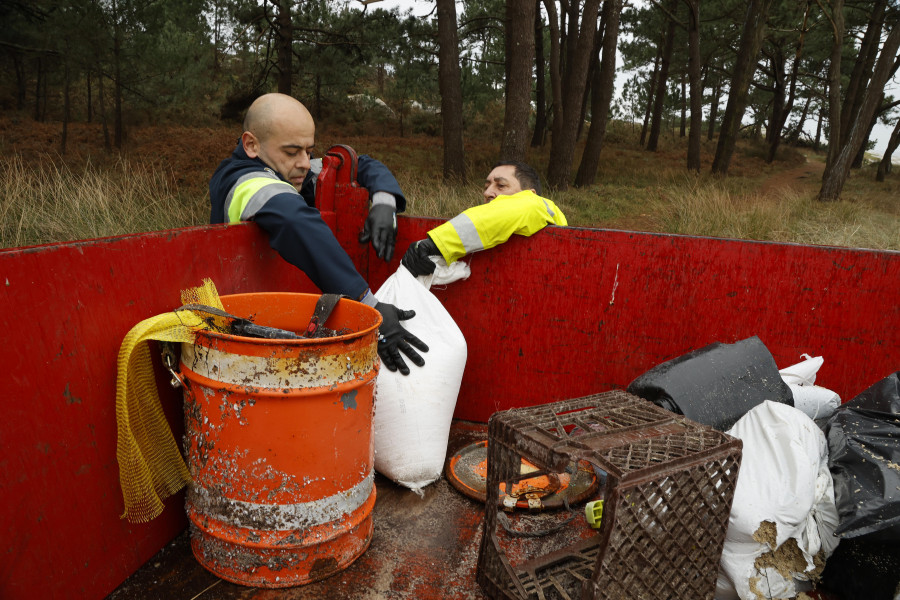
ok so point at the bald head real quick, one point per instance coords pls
(279, 130)
(273, 111)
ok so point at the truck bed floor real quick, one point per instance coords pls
(423, 548)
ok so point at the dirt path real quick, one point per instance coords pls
(806, 176)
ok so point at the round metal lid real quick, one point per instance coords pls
(467, 472)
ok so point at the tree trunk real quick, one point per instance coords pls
(66, 108)
(818, 141)
(118, 124)
(90, 106)
(777, 61)
(284, 30)
(836, 173)
(21, 82)
(682, 129)
(862, 68)
(745, 67)
(106, 145)
(519, 60)
(651, 86)
(37, 89)
(555, 69)
(603, 85)
(593, 71)
(860, 156)
(693, 155)
(795, 134)
(834, 83)
(661, 81)
(317, 87)
(884, 166)
(540, 91)
(714, 109)
(562, 149)
(451, 93)
(778, 121)
(217, 37)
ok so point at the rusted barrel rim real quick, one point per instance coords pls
(298, 341)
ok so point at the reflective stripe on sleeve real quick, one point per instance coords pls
(547, 206)
(467, 232)
(251, 192)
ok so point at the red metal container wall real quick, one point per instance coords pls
(563, 314)
(571, 312)
(66, 309)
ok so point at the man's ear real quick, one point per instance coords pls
(250, 144)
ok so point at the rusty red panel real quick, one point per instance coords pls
(562, 314)
(337, 193)
(572, 311)
(66, 309)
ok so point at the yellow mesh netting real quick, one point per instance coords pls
(151, 467)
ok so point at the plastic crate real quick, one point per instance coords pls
(669, 485)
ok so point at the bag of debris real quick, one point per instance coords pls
(865, 461)
(717, 384)
(817, 402)
(783, 517)
(413, 412)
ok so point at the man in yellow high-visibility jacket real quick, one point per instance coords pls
(512, 205)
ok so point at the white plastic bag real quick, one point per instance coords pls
(413, 412)
(784, 493)
(445, 274)
(815, 401)
(804, 372)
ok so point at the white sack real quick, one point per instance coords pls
(445, 274)
(802, 373)
(783, 480)
(413, 412)
(815, 401)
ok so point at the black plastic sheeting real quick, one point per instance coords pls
(863, 569)
(717, 384)
(864, 457)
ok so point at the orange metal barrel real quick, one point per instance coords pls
(279, 437)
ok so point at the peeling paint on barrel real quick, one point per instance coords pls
(281, 456)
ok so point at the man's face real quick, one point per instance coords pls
(287, 149)
(501, 182)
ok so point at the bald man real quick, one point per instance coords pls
(270, 179)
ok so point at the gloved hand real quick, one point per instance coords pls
(381, 229)
(393, 339)
(416, 258)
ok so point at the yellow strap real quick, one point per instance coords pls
(151, 467)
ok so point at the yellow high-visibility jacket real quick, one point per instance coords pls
(488, 225)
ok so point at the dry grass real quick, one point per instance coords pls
(51, 202)
(710, 209)
(160, 179)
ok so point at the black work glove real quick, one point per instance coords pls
(381, 229)
(393, 339)
(416, 258)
